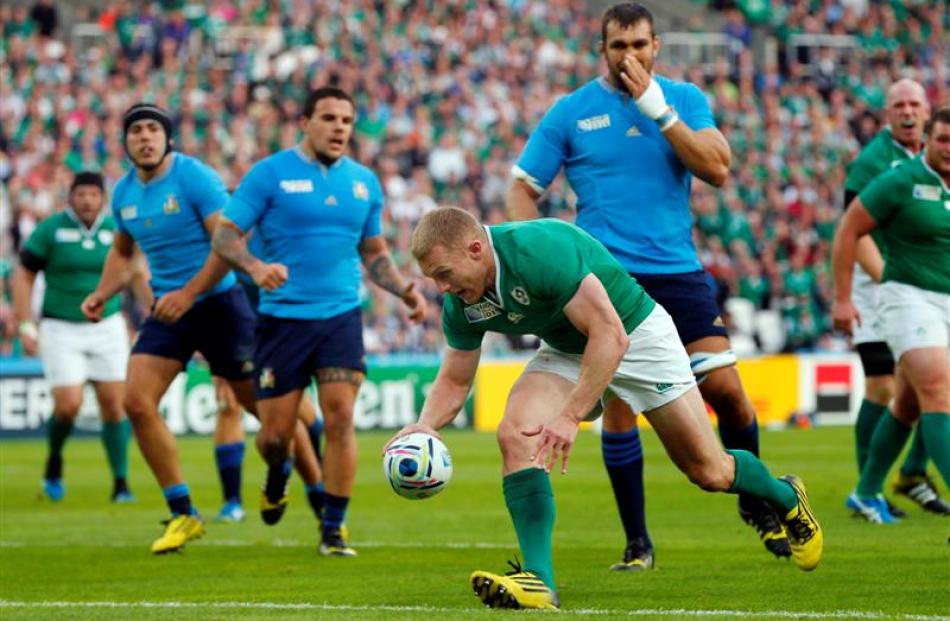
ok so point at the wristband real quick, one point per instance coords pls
(668, 119)
(652, 103)
(28, 329)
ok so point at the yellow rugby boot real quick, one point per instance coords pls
(804, 533)
(516, 589)
(179, 530)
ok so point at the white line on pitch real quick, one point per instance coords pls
(587, 612)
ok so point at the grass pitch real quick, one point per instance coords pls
(85, 558)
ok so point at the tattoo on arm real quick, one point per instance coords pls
(383, 272)
(228, 241)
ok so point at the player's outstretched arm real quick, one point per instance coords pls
(116, 274)
(379, 264)
(522, 201)
(448, 392)
(22, 290)
(857, 222)
(592, 313)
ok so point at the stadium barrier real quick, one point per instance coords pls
(801, 388)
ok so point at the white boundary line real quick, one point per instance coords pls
(587, 612)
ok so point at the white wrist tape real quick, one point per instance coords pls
(28, 330)
(651, 102)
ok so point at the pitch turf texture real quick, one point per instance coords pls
(84, 558)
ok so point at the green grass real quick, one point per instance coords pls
(415, 556)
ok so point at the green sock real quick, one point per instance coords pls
(888, 440)
(115, 438)
(753, 478)
(530, 502)
(935, 428)
(915, 463)
(57, 431)
(868, 416)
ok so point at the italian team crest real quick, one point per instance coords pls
(171, 205)
(360, 191)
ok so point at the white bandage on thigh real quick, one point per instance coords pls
(703, 362)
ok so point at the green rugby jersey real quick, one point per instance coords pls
(539, 266)
(911, 204)
(877, 157)
(71, 257)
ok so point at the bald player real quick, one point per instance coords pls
(906, 111)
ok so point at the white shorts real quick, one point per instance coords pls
(74, 352)
(654, 371)
(865, 295)
(913, 317)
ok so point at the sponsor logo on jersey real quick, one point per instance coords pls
(520, 296)
(171, 205)
(67, 235)
(129, 212)
(718, 322)
(633, 132)
(483, 311)
(360, 191)
(296, 186)
(515, 317)
(106, 237)
(330, 201)
(926, 192)
(594, 123)
(247, 366)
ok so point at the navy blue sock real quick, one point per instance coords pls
(623, 456)
(178, 499)
(316, 430)
(229, 458)
(316, 498)
(334, 511)
(744, 439)
(276, 483)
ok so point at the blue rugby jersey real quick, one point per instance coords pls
(632, 189)
(311, 218)
(166, 218)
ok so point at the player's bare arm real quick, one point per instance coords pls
(22, 290)
(230, 243)
(116, 274)
(171, 306)
(592, 313)
(448, 392)
(522, 201)
(869, 258)
(705, 153)
(382, 271)
(857, 222)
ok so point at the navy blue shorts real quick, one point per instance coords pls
(220, 326)
(690, 301)
(290, 351)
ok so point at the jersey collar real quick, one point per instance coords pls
(86, 231)
(923, 160)
(323, 167)
(155, 180)
(500, 302)
(910, 154)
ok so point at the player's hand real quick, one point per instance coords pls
(93, 306)
(844, 315)
(30, 344)
(171, 306)
(413, 428)
(555, 439)
(269, 276)
(416, 303)
(634, 75)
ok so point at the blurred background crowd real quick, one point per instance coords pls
(447, 93)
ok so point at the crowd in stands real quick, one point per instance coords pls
(447, 93)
